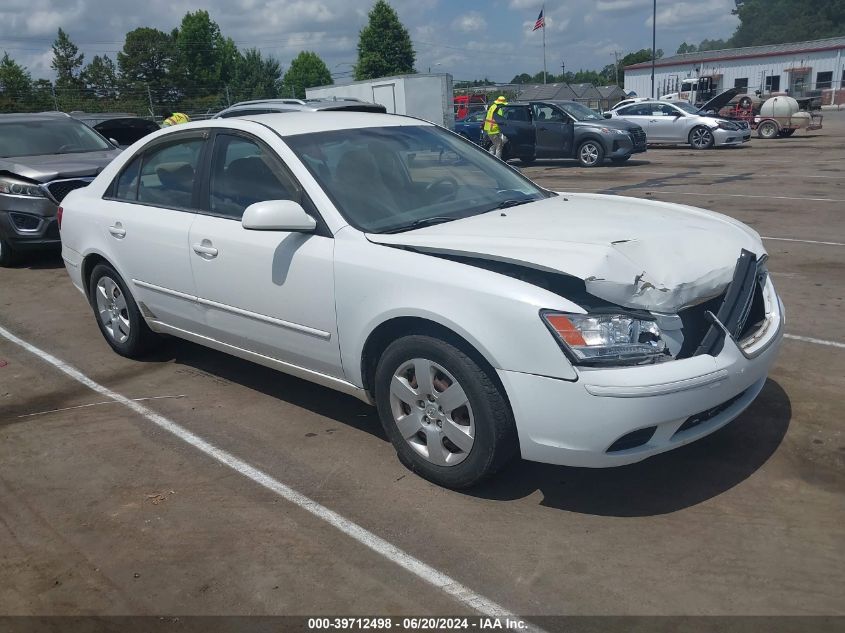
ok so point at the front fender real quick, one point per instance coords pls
(496, 314)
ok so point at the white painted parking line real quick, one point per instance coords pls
(704, 174)
(428, 574)
(817, 341)
(792, 239)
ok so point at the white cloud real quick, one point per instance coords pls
(613, 6)
(469, 22)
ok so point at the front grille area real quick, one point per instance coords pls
(709, 414)
(633, 439)
(741, 309)
(58, 189)
(638, 134)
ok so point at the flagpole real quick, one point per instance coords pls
(544, 42)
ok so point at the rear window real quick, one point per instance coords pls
(48, 136)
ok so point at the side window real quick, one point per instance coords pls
(168, 174)
(126, 186)
(243, 173)
(547, 113)
(517, 113)
(636, 110)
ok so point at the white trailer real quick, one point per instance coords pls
(427, 96)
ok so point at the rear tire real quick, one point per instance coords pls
(8, 256)
(118, 317)
(768, 129)
(590, 153)
(422, 411)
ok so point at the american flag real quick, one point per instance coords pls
(540, 23)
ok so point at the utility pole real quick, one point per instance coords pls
(653, 44)
(228, 98)
(55, 100)
(616, 67)
(563, 70)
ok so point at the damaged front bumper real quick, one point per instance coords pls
(617, 416)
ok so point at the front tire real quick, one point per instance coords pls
(701, 137)
(590, 153)
(118, 317)
(447, 419)
(8, 257)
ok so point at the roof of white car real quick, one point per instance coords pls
(290, 123)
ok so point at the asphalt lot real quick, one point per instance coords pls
(103, 512)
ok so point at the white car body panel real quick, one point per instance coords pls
(621, 263)
(307, 304)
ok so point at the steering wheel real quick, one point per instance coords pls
(445, 180)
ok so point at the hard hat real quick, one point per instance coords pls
(500, 99)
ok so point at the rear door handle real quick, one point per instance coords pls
(117, 230)
(205, 249)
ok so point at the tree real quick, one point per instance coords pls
(779, 21)
(255, 77)
(100, 77)
(15, 85)
(148, 60)
(384, 45)
(67, 62)
(201, 49)
(522, 78)
(306, 71)
(685, 48)
(712, 45)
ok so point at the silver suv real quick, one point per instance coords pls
(43, 157)
(269, 106)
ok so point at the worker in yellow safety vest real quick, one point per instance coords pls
(175, 118)
(491, 126)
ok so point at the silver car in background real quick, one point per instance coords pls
(680, 123)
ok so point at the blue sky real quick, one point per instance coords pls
(468, 38)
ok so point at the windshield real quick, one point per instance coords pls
(48, 136)
(686, 107)
(580, 112)
(390, 179)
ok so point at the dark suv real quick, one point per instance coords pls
(42, 158)
(566, 129)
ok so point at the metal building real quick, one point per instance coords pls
(801, 69)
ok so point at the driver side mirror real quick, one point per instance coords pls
(277, 215)
(607, 115)
(677, 114)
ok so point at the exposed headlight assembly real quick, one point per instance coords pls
(607, 339)
(612, 130)
(727, 125)
(15, 187)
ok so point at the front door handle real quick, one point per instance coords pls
(205, 249)
(117, 230)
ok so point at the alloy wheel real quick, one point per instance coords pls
(112, 309)
(589, 154)
(432, 412)
(701, 138)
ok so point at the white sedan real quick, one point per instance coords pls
(388, 258)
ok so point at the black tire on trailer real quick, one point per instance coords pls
(768, 129)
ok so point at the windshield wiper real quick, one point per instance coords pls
(506, 204)
(418, 224)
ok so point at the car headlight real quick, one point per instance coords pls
(608, 339)
(15, 187)
(727, 125)
(612, 130)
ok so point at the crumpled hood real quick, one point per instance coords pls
(52, 166)
(636, 253)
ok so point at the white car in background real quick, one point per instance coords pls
(390, 259)
(679, 123)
